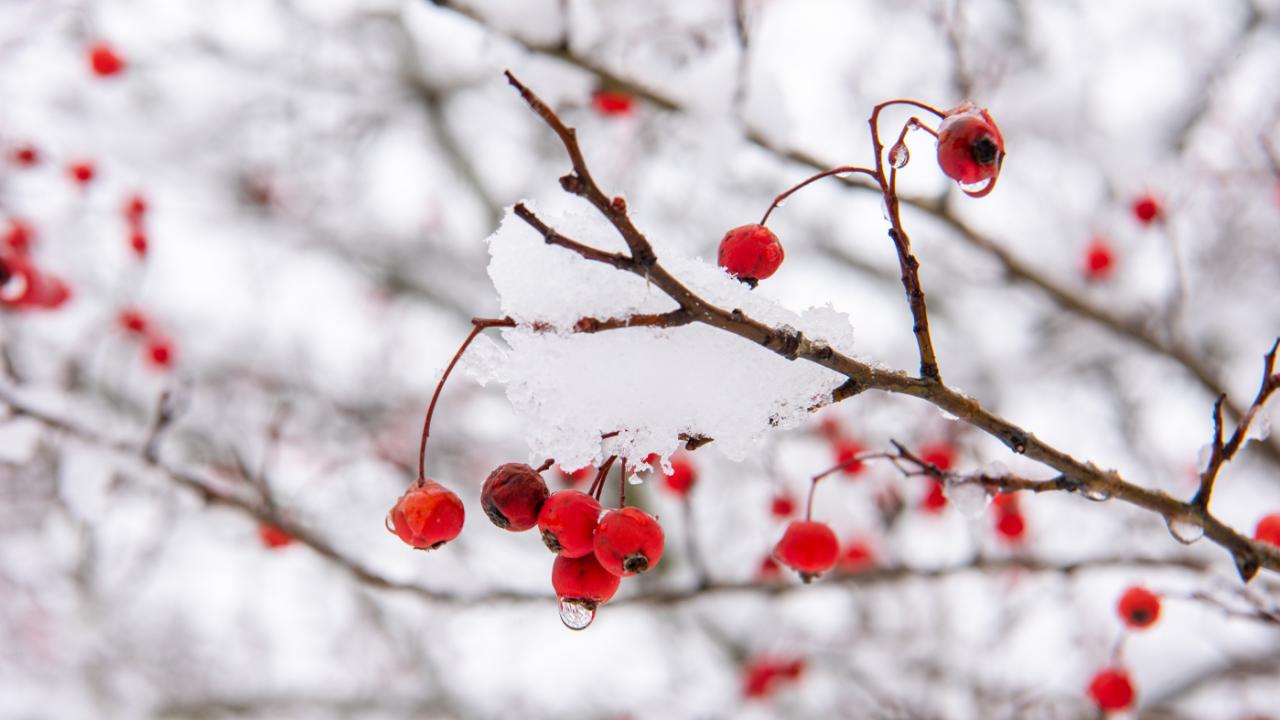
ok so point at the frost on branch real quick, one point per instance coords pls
(648, 384)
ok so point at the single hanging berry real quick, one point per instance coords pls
(1139, 607)
(808, 547)
(583, 579)
(512, 496)
(568, 523)
(628, 541)
(427, 516)
(750, 253)
(1111, 689)
(970, 148)
(1146, 208)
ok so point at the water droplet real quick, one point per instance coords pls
(899, 155)
(577, 614)
(781, 203)
(1095, 495)
(968, 497)
(1184, 530)
(1259, 429)
(946, 415)
(978, 188)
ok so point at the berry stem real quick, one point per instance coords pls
(477, 325)
(813, 485)
(844, 170)
(622, 485)
(546, 465)
(597, 486)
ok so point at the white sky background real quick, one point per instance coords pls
(392, 146)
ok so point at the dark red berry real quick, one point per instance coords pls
(427, 516)
(750, 253)
(1268, 530)
(1147, 209)
(584, 580)
(568, 523)
(104, 61)
(628, 541)
(808, 547)
(1138, 607)
(970, 148)
(1111, 689)
(512, 496)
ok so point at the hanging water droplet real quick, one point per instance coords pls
(946, 415)
(899, 155)
(975, 188)
(577, 614)
(1095, 495)
(1259, 429)
(1184, 530)
(968, 497)
(781, 203)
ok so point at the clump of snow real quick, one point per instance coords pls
(649, 385)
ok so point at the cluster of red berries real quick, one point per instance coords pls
(156, 346)
(594, 548)
(135, 213)
(23, 285)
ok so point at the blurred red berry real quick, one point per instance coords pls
(769, 570)
(1138, 607)
(138, 243)
(273, 537)
(1099, 260)
(25, 155)
(1011, 527)
(19, 235)
(782, 506)
(104, 61)
(846, 452)
(427, 516)
(1147, 209)
(750, 253)
(612, 104)
(857, 556)
(936, 499)
(763, 675)
(132, 320)
(82, 172)
(682, 476)
(940, 455)
(159, 352)
(1111, 689)
(577, 477)
(808, 547)
(135, 207)
(1268, 530)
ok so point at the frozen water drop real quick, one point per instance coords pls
(1259, 429)
(1095, 495)
(899, 155)
(968, 497)
(577, 614)
(946, 415)
(1184, 530)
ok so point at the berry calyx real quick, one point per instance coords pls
(104, 61)
(273, 537)
(1139, 607)
(1111, 689)
(1099, 260)
(628, 541)
(808, 547)
(682, 477)
(1268, 530)
(611, 103)
(970, 148)
(584, 580)
(513, 495)
(427, 516)
(750, 253)
(1146, 208)
(568, 523)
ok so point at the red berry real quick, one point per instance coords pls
(610, 103)
(769, 570)
(427, 516)
(763, 675)
(568, 523)
(750, 253)
(159, 352)
(970, 147)
(25, 156)
(858, 555)
(940, 455)
(682, 477)
(1111, 689)
(513, 495)
(584, 580)
(628, 541)
(846, 451)
(1139, 607)
(935, 500)
(1099, 260)
(1147, 209)
(19, 235)
(1011, 526)
(132, 320)
(830, 427)
(104, 61)
(1006, 503)
(1268, 530)
(782, 506)
(273, 537)
(808, 547)
(138, 242)
(135, 208)
(82, 172)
